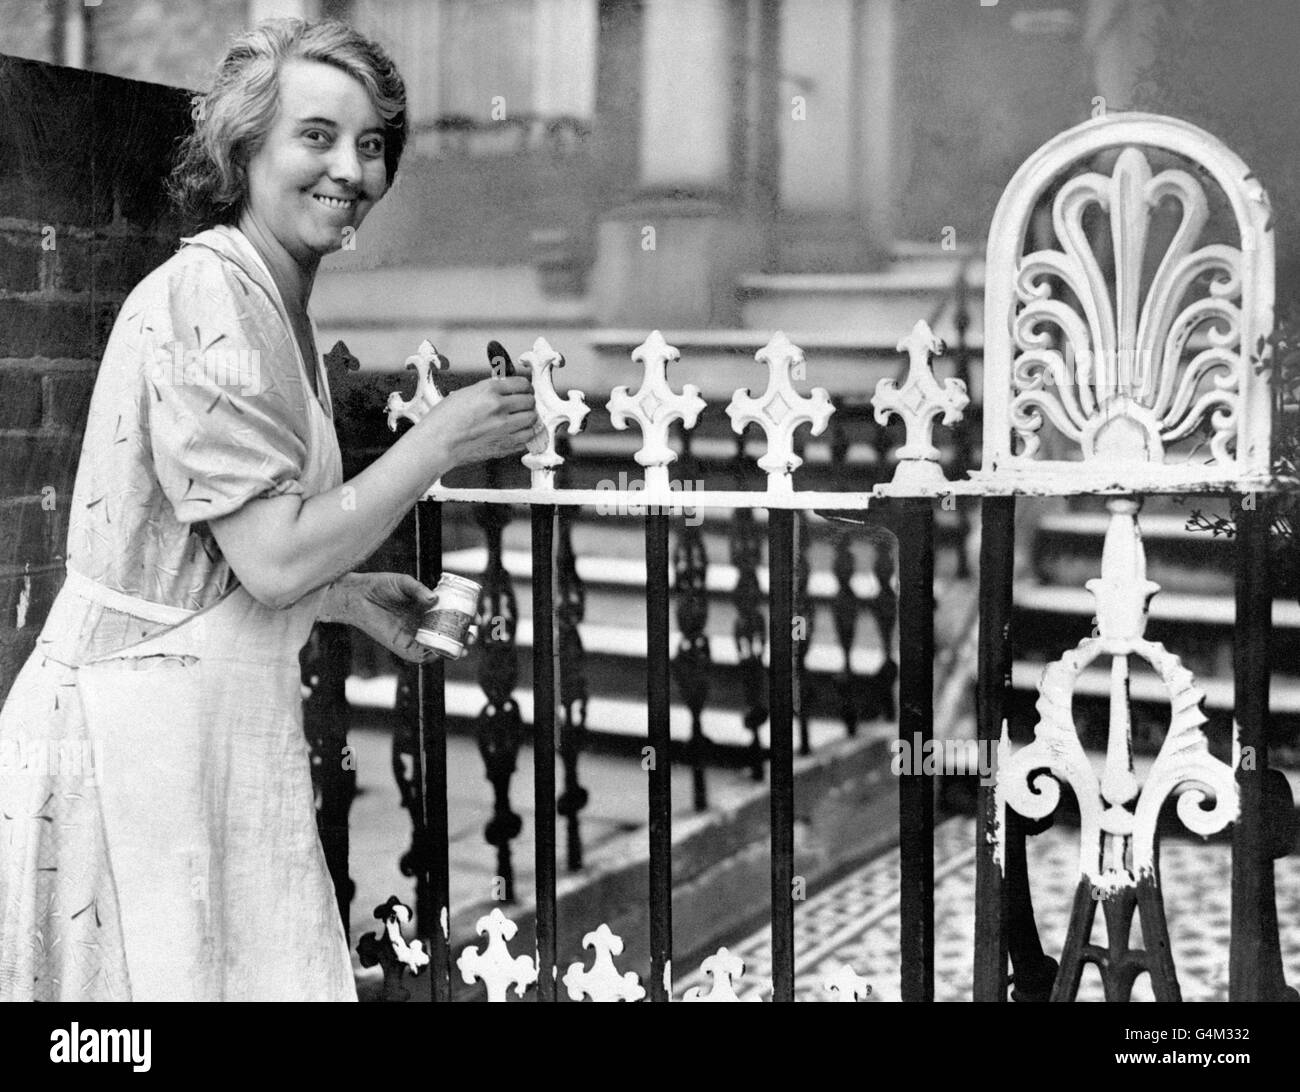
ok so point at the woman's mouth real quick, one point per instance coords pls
(341, 203)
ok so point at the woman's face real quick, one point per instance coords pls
(320, 169)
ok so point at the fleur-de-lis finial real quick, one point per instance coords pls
(494, 965)
(425, 361)
(780, 410)
(655, 406)
(918, 402)
(724, 970)
(392, 952)
(847, 985)
(541, 360)
(602, 982)
(339, 362)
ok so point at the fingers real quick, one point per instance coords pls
(412, 651)
(417, 653)
(511, 384)
(518, 403)
(413, 589)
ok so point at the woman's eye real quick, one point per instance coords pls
(373, 147)
(316, 136)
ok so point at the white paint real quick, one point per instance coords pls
(1117, 816)
(724, 969)
(411, 954)
(654, 408)
(1133, 394)
(603, 982)
(494, 966)
(847, 985)
(552, 411)
(24, 599)
(425, 361)
(918, 402)
(779, 411)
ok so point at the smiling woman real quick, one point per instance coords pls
(210, 529)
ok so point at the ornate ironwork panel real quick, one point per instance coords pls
(1147, 383)
(693, 661)
(750, 628)
(570, 609)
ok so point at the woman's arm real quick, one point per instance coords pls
(283, 547)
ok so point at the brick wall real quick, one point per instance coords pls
(82, 218)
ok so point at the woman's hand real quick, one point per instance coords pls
(389, 607)
(485, 420)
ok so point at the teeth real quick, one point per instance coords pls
(333, 202)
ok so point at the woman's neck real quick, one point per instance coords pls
(293, 279)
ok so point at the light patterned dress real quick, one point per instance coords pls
(157, 825)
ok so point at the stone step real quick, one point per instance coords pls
(615, 591)
(609, 715)
(1068, 547)
(616, 535)
(922, 254)
(861, 304)
(1198, 628)
(1165, 607)
(627, 642)
(612, 532)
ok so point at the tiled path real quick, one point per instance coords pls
(855, 920)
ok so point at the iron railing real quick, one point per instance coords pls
(1127, 430)
(779, 411)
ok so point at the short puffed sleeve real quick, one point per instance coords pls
(226, 404)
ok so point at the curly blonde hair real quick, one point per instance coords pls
(209, 181)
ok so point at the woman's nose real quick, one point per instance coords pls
(345, 165)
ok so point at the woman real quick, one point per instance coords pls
(210, 529)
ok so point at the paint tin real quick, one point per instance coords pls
(447, 622)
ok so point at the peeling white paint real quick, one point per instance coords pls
(24, 601)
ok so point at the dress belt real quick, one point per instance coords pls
(128, 604)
